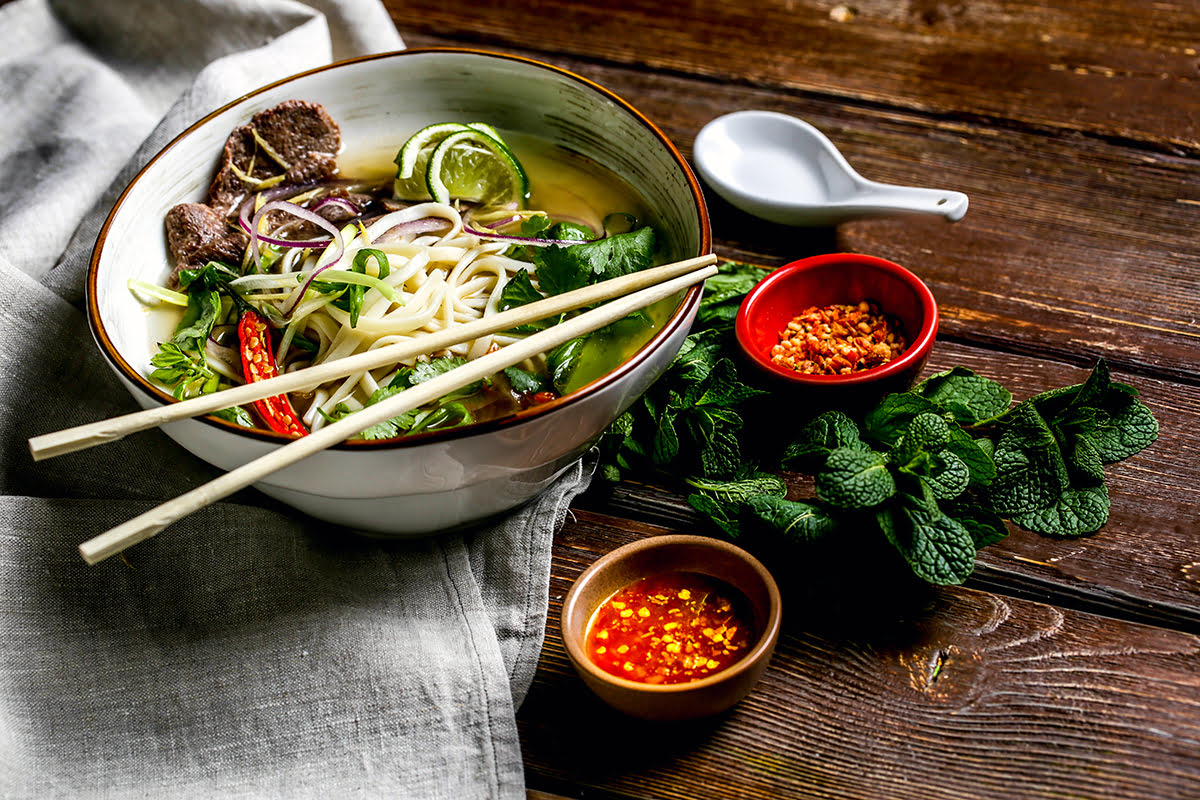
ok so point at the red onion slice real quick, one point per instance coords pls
(304, 214)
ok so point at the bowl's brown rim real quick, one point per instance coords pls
(690, 301)
(762, 649)
(916, 351)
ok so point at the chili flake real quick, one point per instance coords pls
(674, 627)
(839, 340)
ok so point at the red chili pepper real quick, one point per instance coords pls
(258, 364)
(544, 397)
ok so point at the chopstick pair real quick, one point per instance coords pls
(632, 292)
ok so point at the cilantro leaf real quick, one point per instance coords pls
(523, 381)
(561, 269)
(203, 310)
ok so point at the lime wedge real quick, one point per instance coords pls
(474, 166)
(413, 158)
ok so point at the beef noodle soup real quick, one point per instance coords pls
(303, 255)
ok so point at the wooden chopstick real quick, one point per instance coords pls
(110, 430)
(146, 525)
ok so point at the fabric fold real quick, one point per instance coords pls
(246, 651)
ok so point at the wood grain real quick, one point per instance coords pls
(1083, 250)
(1064, 668)
(1139, 566)
(1022, 63)
(919, 697)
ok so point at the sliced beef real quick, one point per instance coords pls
(301, 142)
(296, 139)
(196, 234)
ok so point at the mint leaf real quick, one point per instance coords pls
(948, 476)
(854, 478)
(1074, 512)
(665, 446)
(716, 431)
(721, 501)
(697, 356)
(938, 548)
(1031, 473)
(562, 362)
(1124, 427)
(1083, 461)
(237, 415)
(519, 291)
(968, 397)
(793, 520)
(984, 525)
(740, 489)
(818, 438)
(721, 387)
(975, 453)
(887, 422)
(724, 291)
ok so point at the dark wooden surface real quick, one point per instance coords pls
(1062, 668)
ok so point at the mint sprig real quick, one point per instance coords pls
(934, 472)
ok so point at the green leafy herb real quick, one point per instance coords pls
(447, 411)
(186, 373)
(933, 473)
(562, 269)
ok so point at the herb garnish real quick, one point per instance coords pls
(933, 472)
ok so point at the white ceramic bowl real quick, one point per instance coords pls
(433, 481)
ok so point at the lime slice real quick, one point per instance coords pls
(474, 166)
(413, 158)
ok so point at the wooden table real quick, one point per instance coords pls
(1062, 668)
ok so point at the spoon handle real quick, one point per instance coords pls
(887, 197)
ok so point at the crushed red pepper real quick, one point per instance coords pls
(839, 340)
(674, 627)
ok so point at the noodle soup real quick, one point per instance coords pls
(339, 266)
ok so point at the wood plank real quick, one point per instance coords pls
(947, 694)
(1118, 70)
(1143, 565)
(1087, 249)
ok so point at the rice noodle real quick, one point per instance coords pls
(440, 279)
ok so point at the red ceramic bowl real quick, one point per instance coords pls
(839, 278)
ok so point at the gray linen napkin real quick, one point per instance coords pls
(247, 651)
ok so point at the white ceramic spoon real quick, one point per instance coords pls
(784, 170)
